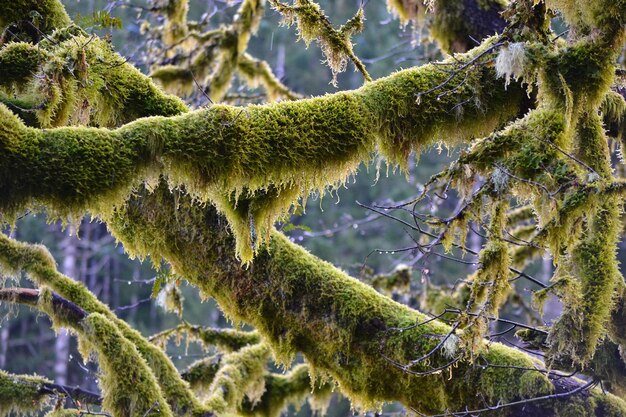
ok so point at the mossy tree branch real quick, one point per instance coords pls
(224, 151)
(288, 295)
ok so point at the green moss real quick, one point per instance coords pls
(585, 16)
(313, 24)
(258, 73)
(594, 261)
(227, 340)
(176, 23)
(26, 15)
(18, 61)
(201, 373)
(21, 394)
(129, 388)
(83, 81)
(455, 23)
(226, 154)
(283, 390)
(37, 262)
(398, 281)
(241, 374)
(583, 70)
(301, 304)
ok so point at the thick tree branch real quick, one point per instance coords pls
(278, 152)
(343, 328)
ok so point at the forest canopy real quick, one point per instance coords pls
(193, 151)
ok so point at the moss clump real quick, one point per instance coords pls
(201, 373)
(129, 388)
(335, 43)
(21, 394)
(18, 62)
(454, 24)
(30, 18)
(289, 389)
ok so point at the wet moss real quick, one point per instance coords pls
(227, 154)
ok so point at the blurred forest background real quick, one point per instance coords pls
(364, 242)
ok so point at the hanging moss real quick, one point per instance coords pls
(289, 389)
(21, 394)
(176, 23)
(583, 324)
(300, 304)
(227, 154)
(454, 24)
(585, 16)
(227, 340)
(115, 92)
(336, 44)
(171, 299)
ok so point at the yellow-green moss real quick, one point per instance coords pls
(301, 304)
(313, 24)
(18, 62)
(283, 390)
(227, 154)
(21, 394)
(227, 340)
(200, 374)
(129, 388)
(241, 374)
(37, 262)
(44, 15)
